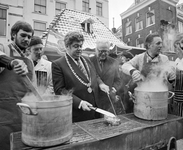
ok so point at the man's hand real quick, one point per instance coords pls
(19, 67)
(104, 87)
(136, 76)
(113, 90)
(86, 106)
(172, 76)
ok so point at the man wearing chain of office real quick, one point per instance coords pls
(76, 72)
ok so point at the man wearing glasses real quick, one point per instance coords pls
(75, 74)
(108, 70)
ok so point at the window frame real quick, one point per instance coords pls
(39, 30)
(128, 28)
(180, 26)
(98, 8)
(139, 23)
(5, 21)
(86, 3)
(61, 3)
(137, 43)
(40, 6)
(153, 19)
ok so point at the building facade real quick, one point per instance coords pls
(40, 13)
(148, 16)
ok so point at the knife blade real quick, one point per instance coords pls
(104, 112)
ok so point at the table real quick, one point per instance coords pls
(132, 134)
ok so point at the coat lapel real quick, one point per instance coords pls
(97, 65)
(106, 66)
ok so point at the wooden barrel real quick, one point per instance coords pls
(49, 123)
(151, 105)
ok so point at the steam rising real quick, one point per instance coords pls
(47, 96)
(157, 78)
(169, 37)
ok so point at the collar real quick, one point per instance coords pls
(73, 58)
(150, 59)
(16, 50)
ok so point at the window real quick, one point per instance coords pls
(180, 26)
(99, 9)
(40, 6)
(150, 18)
(59, 6)
(86, 5)
(3, 19)
(87, 25)
(128, 27)
(39, 28)
(139, 43)
(139, 24)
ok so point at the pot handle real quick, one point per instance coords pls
(171, 95)
(26, 109)
(132, 97)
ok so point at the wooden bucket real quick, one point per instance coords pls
(47, 123)
(151, 105)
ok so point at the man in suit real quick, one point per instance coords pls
(42, 66)
(108, 70)
(76, 73)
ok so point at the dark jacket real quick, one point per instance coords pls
(109, 74)
(64, 79)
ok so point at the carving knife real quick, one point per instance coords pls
(104, 112)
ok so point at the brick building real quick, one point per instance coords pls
(148, 16)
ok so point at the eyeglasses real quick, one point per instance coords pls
(102, 51)
(77, 45)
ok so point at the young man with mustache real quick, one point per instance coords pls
(12, 87)
(74, 72)
(177, 103)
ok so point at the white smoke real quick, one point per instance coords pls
(157, 80)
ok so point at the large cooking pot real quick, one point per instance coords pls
(151, 105)
(48, 122)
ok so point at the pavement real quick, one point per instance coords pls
(180, 144)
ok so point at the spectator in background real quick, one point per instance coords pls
(42, 66)
(12, 87)
(177, 103)
(128, 84)
(126, 56)
(108, 70)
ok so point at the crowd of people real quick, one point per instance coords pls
(97, 81)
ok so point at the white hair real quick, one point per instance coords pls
(102, 43)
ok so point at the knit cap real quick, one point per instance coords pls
(35, 40)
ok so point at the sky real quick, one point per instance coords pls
(116, 7)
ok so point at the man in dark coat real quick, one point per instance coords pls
(75, 72)
(108, 70)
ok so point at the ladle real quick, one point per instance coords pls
(30, 85)
(111, 104)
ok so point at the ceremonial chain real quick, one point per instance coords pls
(80, 80)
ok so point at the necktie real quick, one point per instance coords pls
(101, 63)
(82, 68)
(35, 63)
